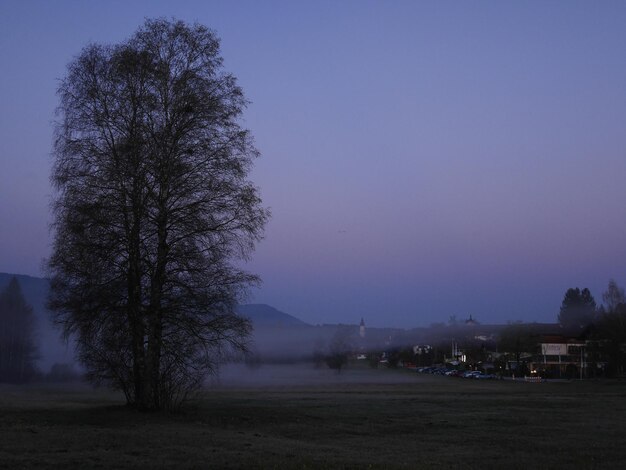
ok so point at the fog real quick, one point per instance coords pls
(282, 350)
(52, 348)
(302, 374)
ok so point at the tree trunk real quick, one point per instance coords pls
(135, 314)
(155, 315)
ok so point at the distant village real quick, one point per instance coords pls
(587, 341)
(526, 349)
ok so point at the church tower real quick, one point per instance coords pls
(362, 329)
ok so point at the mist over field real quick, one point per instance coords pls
(52, 347)
(305, 374)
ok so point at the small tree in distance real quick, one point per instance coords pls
(518, 338)
(339, 349)
(614, 296)
(18, 350)
(153, 211)
(577, 309)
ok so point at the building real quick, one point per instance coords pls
(560, 357)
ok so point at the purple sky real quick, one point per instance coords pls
(421, 159)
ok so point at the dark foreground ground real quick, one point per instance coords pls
(349, 421)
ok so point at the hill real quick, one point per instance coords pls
(54, 350)
(266, 315)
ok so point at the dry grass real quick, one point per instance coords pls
(413, 422)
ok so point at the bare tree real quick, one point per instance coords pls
(614, 296)
(518, 338)
(153, 210)
(339, 348)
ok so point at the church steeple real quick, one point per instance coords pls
(362, 328)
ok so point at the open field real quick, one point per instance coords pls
(360, 419)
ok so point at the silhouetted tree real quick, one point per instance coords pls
(18, 350)
(339, 349)
(609, 339)
(614, 296)
(373, 360)
(577, 309)
(153, 211)
(517, 339)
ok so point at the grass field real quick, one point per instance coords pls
(360, 419)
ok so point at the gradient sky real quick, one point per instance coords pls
(421, 159)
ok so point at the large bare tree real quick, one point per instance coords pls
(153, 211)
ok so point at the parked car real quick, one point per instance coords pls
(472, 374)
(455, 373)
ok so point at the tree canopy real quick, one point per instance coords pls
(577, 309)
(519, 338)
(153, 211)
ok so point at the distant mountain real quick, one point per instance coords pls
(265, 315)
(55, 350)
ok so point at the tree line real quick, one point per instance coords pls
(601, 327)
